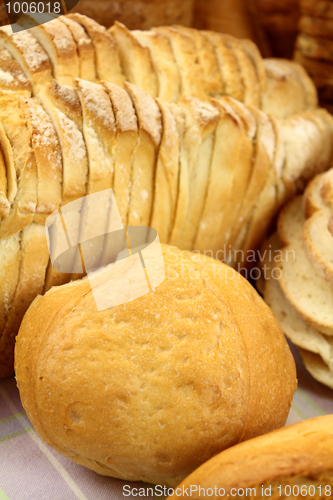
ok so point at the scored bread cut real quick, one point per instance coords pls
(33, 262)
(185, 53)
(166, 177)
(105, 49)
(12, 77)
(201, 119)
(311, 95)
(85, 49)
(145, 156)
(306, 290)
(164, 63)
(28, 53)
(231, 77)
(135, 60)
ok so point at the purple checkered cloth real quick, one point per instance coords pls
(31, 470)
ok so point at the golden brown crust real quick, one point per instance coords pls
(297, 454)
(230, 402)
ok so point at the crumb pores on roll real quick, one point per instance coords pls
(151, 389)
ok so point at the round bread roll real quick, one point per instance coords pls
(293, 462)
(151, 389)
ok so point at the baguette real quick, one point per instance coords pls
(296, 455)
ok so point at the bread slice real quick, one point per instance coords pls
(12, 77)
(306, 290)
(19, 158)
(145, 156)
(229, 67)
(47, 150)
(75, 161)
(135, 60)
(284, 95)
(126, 141)
(10, 257)
(318, 244)
(105, 49)
(185, 145)
(166, 178)
(319, 8)
(256, 182)
(208, 61)
(243, 171)
(312, 200)
(29, 54)
(57, 41)
(34, 259)
(316, 27)
(266, 203)
(247, 71)
(294, 327)
(4, 203)
(185, 53)
(307, 149)
(99, 136)
(317, 367)
(164, 63)
(85, 49)
(315, 48)
(225, 163)
(202, 119)
(7, 156)
(258, 62)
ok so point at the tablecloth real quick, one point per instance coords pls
(31, 470)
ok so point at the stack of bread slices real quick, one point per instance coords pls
(299, 263)
(314, 45)
(83, 110)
